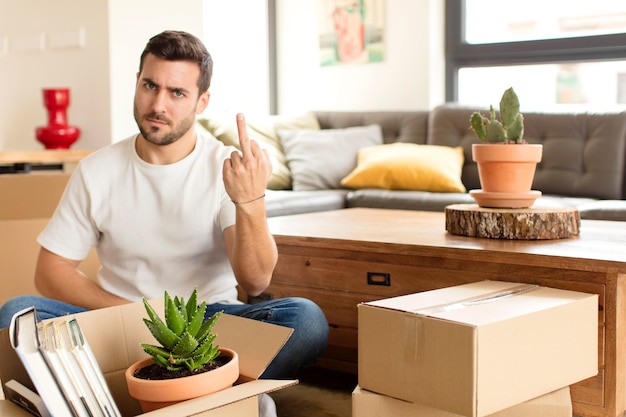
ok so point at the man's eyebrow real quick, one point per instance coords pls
(178, 90)
(173, 89)
(149, 80)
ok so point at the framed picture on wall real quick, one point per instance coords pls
(351, 31)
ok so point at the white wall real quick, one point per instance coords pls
(411, 76)
(235, 33)
(100, 74)
(131, 24)
(25, 70)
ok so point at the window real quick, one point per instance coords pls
(551, 52)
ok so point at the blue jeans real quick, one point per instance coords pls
(304, 347)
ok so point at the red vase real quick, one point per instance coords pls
(58, 134)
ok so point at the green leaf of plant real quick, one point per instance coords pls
(509, 107)
(205, 346)
(515, 131)
(153, 350)
(175, 320)
(477, 124)
(159, 330)
(162, 361)
(179, 302)
(207, 326)
(206, 358)
(192, 304)
(495, 132)
(151, 313)
(186, 345)
(196, 319)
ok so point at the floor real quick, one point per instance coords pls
(320, 393)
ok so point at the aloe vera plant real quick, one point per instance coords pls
(510, 129)
(185, 338)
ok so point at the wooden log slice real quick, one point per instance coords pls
(498, 223)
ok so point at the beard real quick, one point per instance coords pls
(154, 134)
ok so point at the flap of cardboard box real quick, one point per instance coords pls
(115, 335)
(197, 406)
(223, 398)
(8, 409)
(474, 304)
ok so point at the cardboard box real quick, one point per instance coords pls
(368, 404)
(478, 348)
(30, 196)
(114, 335)
(28, 203)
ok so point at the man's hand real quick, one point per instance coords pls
(250, 245)
(246, 173)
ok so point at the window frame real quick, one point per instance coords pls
(460, 54)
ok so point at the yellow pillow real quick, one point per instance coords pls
(408, 166)
(264, 130)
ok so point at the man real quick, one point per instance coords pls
(171, 209)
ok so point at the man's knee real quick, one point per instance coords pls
(311, 320)
(14, 305)
(308, 306)
(308, 341)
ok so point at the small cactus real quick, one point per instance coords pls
(511, 127)
(185, 336)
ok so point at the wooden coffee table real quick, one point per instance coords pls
(341, 258)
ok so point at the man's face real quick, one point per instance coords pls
(166, 99)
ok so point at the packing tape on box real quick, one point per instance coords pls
(413, 323)
(413, 338)
(481, 299)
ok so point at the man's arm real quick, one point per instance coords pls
(252, 252)
(251, 247)
(60, 279)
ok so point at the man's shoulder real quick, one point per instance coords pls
(112, 153)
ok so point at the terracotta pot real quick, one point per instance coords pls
(506, 169)
(155, 394)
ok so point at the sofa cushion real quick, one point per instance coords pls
(408, 166)
(603, 210)
(286, 202)
(405, 200)
(263, 129)
(584, 153)
(319, 159)
(397, 126)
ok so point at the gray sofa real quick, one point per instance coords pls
(583, 164)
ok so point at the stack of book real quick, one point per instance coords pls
(62, 367)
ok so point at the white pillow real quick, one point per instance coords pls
(263, 129)
(319, 159)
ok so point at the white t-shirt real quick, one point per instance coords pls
(156, 227)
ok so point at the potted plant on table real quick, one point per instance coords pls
(186, 364)
(506, 162)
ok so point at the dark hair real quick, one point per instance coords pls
(181, 46)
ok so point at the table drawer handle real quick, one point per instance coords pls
(379, 278)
